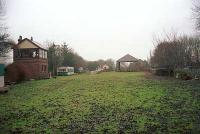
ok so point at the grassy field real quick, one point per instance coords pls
(102, 103)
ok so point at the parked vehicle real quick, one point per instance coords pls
(65, 71)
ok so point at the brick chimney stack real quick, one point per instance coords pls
(20, 38)
(31, 38)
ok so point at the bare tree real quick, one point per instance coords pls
(5, 42)
(2, 8)
(196, 13)
(176, 52)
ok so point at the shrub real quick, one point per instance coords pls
(162, 71)
(16, 72)
(196, 73)
(183, 74)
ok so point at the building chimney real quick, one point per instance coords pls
(20, 38)
(31, 38)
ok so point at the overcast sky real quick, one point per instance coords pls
(99, 29)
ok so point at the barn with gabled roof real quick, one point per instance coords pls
(126, 58)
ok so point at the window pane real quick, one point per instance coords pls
(40, 53)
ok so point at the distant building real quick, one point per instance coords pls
(33, 56)
(129, 63)
(80, 69)
(104, 67)
(120, 64)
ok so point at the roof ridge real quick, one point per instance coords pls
(127, 58)
(33, 42)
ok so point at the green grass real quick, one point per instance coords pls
(102, 103)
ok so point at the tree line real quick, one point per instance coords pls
(64, 55)
(178, 51)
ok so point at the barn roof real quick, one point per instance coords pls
(127, 58)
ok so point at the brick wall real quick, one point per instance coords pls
(38, 67)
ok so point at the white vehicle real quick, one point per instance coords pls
(65, 71)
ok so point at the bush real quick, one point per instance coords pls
(183, 74)
(16, 72)
(196, 73)
(162, 71)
